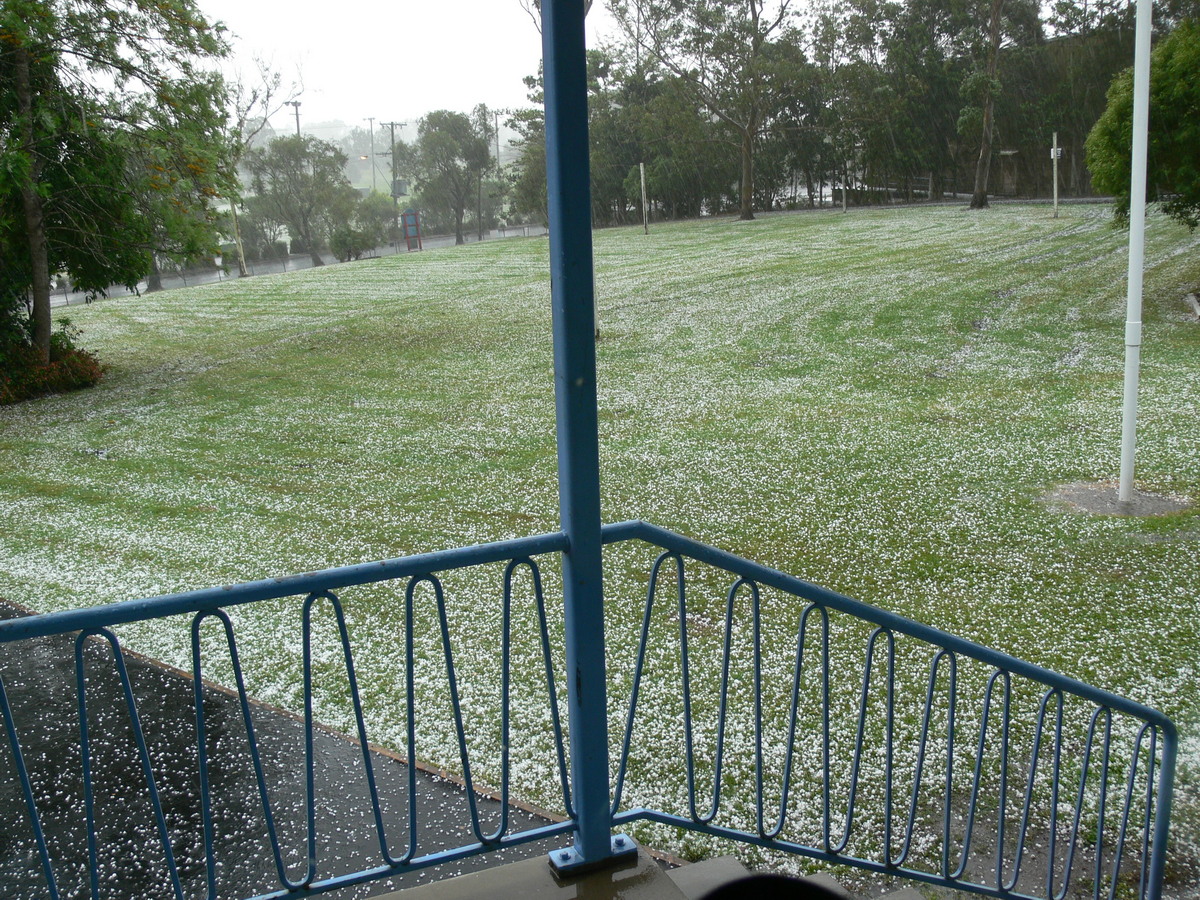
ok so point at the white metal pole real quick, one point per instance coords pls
(1137, 246)
(645, 209)
(1054, 156)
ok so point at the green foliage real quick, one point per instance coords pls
(374, 216)
(1173, 163)
(884, 96)
(528, 173)
(348, 243)
(449, 158)
(23, 374)
(722, 52)
(887, 98)
(262, 231)
(111, 142)
(299, 184)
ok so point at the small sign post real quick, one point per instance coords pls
(410, 223)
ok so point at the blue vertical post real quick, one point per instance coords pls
(573, 301)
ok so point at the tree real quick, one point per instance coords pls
(1173, 162)
(448, 159)
(721, 49)
(689, 168)
(484, 124)
(255, 98)
(923, 67)
(985, 87)
(110, 142)
(1017, 20)
(373, 215)
(262, 231)
(301, 181)
(529, 171)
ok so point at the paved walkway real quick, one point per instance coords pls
(39, 678)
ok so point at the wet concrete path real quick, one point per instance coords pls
(39, 677)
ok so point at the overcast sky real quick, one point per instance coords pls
(393, 60)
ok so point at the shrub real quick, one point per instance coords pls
(349, 243)
(23, 375)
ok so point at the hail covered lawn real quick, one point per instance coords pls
(877, 402)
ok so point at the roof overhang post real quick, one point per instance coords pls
(573, 301)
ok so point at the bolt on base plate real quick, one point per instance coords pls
(568, 862)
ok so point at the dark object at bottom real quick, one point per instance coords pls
(769, 887)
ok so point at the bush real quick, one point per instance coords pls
(350, 243)
(24, 375)
(1172, 175)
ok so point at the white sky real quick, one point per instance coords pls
(393, 60)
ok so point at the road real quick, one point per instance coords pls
(63, 297)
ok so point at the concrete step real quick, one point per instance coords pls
(830, 884)
(697, 879)
(641, 878)
(532, 879)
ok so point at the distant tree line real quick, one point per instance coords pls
(734, 106)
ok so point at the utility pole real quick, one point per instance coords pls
(497, 129)
(371, 122)
(395, 198)
(295, 104)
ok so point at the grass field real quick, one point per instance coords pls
(877, 402)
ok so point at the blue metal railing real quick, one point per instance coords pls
(874, 741)
(991, 836)
(316, 587)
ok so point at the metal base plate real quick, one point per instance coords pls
(567, 861)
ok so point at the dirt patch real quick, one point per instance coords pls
(1099, 498)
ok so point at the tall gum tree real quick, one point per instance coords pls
(721, 49)
(83, 82)
(1009, 22)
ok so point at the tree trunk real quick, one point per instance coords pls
(154, 279)
(747, 211)
(237, 240)
(983, 166)
(35, 216)
(979, 199)
(458, 222)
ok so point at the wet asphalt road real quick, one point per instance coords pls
(39, 678)
(61, 296)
